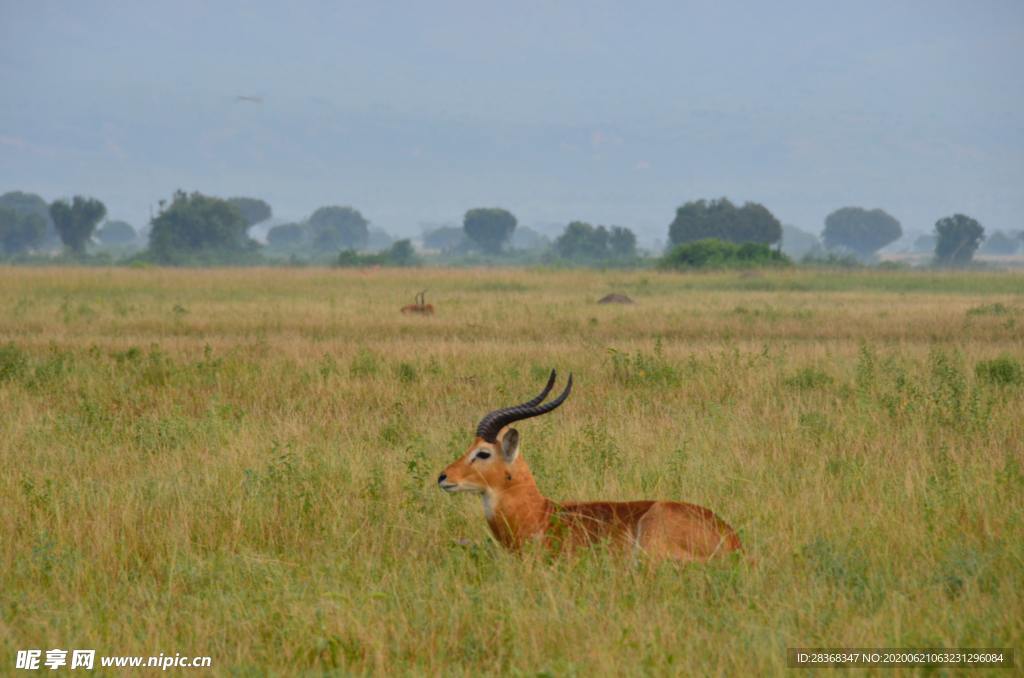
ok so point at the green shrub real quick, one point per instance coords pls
(808, 378)
(720, 254)
(401, 253)
(846, 569)
(13, 362)
(643, 368)
(364, 364)
(989, 309)
(353, 259)
(832, 259)
(406, 373)
(1002, 371)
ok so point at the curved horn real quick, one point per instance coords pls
(491, 424)
(543, 394)
(485, 424)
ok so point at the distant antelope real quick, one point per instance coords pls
(518, 513)
(420, 306)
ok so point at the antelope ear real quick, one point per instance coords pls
(510, 445)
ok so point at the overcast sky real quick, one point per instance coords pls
(611, 112)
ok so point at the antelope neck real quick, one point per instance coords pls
(517, 511)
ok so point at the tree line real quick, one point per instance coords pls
(193, 228)
(849, 231)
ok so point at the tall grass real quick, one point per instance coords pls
(242, 464)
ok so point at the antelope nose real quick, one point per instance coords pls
(441, 478)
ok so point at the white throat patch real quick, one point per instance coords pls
(490, 501)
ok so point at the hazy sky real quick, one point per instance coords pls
(612, 112)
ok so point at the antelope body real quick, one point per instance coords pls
(518, 513)
(420, 306)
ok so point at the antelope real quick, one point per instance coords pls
(420, 306)
(517, 513)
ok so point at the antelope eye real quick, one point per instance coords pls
(483, 454)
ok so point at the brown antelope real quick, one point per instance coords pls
(518, 513)
(420, 306)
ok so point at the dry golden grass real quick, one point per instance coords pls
(241, 464)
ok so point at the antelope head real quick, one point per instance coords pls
(492, 462)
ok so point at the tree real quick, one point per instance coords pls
(1000, 243)
(526, 238)
(30, 203)
(402, 253)
(198, 224)
(489, 228)
(582, 242)
(284, 236)
(20, 232)
(253, 210)
(754, 224)
(26, 203)
(378, 239)
(722, 220)
(958, 238)
(444, 238)
(335, 228)
(621, 242)
(76, 221)
(116, 233)
(861, 231)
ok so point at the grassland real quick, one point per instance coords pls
(242, 464)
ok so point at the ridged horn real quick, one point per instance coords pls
(493, 422)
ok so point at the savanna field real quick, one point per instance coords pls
(243, 463)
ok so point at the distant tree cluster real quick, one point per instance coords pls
(253, 210)
(196, 227)
(378, 239)
(489, 228)
(338, 228)
(526, 238)
(287, 236)
(25, 203)
(1001, 243)
(29, 225)
(332, 228)
(722, 220)
(20, 232)
(958, 238)
(77, 220)
(851, 234)
(583, 242)
(116, 233)
(445, 239)
(452, 240)
(860, 231)
(25, 223)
